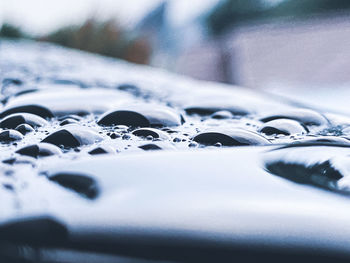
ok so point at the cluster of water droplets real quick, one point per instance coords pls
(59, 108)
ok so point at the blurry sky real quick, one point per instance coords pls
(43, 16)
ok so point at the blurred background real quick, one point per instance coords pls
(276, 45)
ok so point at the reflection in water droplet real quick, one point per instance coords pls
(324, 166)
(24, 128)
(283, 127)
(236, 137)
(82, 184)
(14, 120)
(10, 135)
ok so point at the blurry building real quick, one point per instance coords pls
(312, 51)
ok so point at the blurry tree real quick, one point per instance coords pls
(9, 31)
(106, 38)
(138, 51)
(231, 12)
(308, 7)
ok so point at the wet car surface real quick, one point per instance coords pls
(109, 161)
